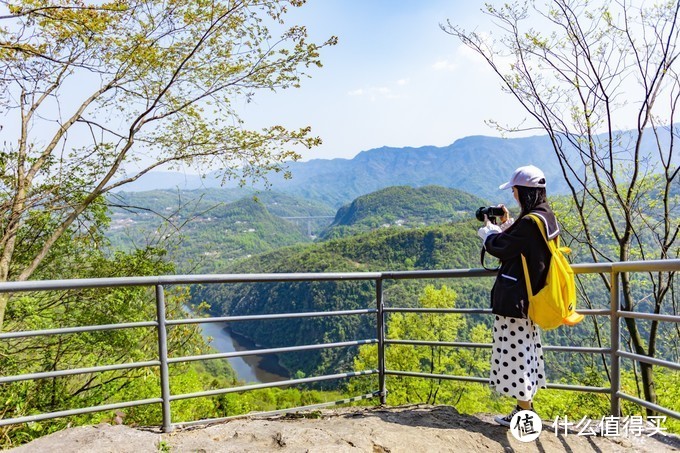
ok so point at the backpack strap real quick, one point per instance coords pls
(526, 277)
(541, 227)
(553, 245)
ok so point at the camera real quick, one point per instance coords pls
(491, 213)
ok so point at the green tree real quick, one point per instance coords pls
(91, 307)
(437, 327)
(584, 72)
(95, 95)
(83, 253)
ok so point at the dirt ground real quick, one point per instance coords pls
(411, 429)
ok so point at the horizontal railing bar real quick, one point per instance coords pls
(84, 283)
(437, 310)
(488, 345)
(61, 373)
(77, 283)
(228, 355)
(578, 388)
(449, 273)
(650, 360)
(486, 381)
(265, 385)
(46, 285)
(468, 311)
(592, 268)
(652, 316)
(582, 349)
(628, 266)
(437, 376)
(439, 343)
(84, 410)
(647, 266)
(67, 330)
(272, 316)
(594, 311)
(648, 405)
(278, 411)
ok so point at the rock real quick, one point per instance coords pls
(410, 429)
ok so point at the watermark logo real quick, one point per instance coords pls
(526, 426)
(611, 426)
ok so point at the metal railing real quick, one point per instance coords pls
(161, 324)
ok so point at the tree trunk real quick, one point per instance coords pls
(646, 370)
(4, 298)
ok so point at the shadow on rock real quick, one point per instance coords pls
(439, 417)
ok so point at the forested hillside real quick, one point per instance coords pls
(403, 206)
(437, 247)
(205, 231)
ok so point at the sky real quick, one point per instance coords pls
(394, 78)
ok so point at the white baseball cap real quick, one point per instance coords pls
(528, 176)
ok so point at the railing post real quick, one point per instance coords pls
(381, 340)
(615, 343)
(163, 356)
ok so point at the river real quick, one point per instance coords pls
(253, 368)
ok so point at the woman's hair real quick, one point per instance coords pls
(530, 197)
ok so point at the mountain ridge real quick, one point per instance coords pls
(475, 164)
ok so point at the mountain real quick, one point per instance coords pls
(403, 206)
(205, 233)
(207, 229)
(475, 164)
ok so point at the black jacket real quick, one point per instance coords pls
(509, 292)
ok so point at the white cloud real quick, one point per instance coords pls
(470, 56)
(463, 59)
(471, 59)
(444, 65)
(378, 92)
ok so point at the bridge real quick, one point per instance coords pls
(310, 220)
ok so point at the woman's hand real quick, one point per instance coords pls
(506, 213)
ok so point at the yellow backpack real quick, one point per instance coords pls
(555, 304)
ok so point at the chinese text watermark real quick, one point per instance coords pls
(611, 426)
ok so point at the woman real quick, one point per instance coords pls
(517, 368)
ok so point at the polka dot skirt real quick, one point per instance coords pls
(517, 368)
